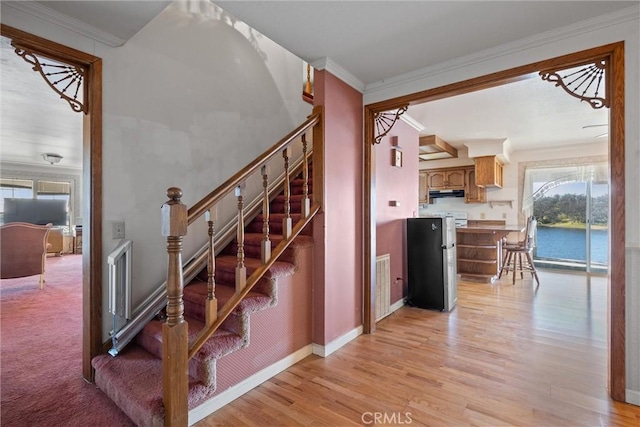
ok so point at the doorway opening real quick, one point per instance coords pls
(613, 56)
(91, 209)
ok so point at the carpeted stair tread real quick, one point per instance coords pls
(133, 380)
(220, 344)
(253, 247)
(297, 185)
(195, 294)
(226, 265)
(295, 203)
(202, 365)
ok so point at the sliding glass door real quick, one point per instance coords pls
(571, 205)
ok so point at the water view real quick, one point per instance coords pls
(569, 244)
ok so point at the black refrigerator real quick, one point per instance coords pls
(431, 263)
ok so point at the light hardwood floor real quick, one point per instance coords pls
(507, 355)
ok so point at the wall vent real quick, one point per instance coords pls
(383, 286)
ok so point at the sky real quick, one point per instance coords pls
(574, 188)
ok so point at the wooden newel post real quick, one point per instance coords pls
(175, 345)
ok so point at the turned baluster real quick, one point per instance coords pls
(306, 202)
(211, 306)
(175, 330)
(241, 270)
(266, 243)
(286, 221)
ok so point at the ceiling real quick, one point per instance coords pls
(371, 40)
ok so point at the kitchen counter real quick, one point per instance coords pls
(479, 250)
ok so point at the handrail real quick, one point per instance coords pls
(151, 306)
(176, 218)
(226, 310)
(226, 234)
(216, 195)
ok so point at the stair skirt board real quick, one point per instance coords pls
(232, 393)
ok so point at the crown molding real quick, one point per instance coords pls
(412, 122)
(47, 14)
(336, 69)
(624, 15)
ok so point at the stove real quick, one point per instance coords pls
(459, 217)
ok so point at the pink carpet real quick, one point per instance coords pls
(41, 380)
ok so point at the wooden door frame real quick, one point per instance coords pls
(614, 53)
(91, 185)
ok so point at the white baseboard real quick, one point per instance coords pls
(325, 350)
(227, 396)
(396, 306)
(633, 397)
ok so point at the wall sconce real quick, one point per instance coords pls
(52, 158)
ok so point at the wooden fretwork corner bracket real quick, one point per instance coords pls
(586, 82)
(385, 120)
(66, 80)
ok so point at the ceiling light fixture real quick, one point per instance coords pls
(52, 158)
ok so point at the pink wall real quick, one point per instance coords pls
(338, 229)
(275, 332)
(401, 185)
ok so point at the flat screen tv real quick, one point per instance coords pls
(35, 211)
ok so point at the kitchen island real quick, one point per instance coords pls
(479, 249)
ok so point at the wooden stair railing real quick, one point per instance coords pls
(175, 220)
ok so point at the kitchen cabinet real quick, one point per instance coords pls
(488, 171)
(446, 179)
(473, 193)
(423, 188)
(457, 178)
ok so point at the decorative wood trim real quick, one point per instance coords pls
(615, 53)
(384, 121)
(91, 188)
(60, 77)
(584, 84)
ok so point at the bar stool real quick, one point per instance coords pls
(513, 258)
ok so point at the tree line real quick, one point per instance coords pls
(571, 208)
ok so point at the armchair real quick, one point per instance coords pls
(23, 250)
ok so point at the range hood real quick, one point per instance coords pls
(432, 148)
(439, 194)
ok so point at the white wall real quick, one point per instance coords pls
(624, 26)
(188, 101)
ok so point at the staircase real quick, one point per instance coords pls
(134, 379)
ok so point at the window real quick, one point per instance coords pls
(11, 188)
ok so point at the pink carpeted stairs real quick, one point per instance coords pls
(133, 379)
